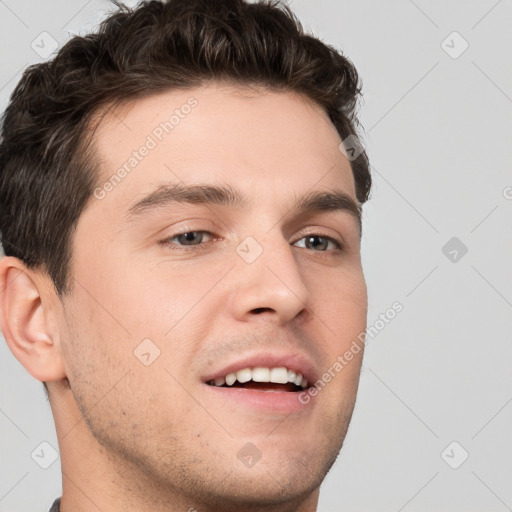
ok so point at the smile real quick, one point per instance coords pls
(263, 379)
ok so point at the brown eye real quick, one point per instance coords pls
(319, 243)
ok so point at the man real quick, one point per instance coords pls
(182, 223)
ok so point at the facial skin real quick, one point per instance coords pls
(136, 437)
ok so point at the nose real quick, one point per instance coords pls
(271, 285)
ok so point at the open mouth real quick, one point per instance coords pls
(263, 386)
(263, 379)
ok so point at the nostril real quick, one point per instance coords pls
(261, 310)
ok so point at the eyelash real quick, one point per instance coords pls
(173, 246)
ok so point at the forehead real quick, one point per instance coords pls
(261, 141)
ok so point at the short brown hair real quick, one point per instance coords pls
(47, 173)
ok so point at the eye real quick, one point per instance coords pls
(319, 243)
(315, 242)
(189, 238)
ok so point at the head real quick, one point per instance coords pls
(175, 199)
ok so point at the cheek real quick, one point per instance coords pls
(99, 342)
(164, 300)
(342, 303)
(95, 340)
(148, 298)
(342, 310)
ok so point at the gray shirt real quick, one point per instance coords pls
(55, 506)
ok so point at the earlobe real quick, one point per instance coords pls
(25, 320)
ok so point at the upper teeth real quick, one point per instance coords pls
(279, 375)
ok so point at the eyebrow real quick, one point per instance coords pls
(229, 196)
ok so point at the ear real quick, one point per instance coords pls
(27, 319)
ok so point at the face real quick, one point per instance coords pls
(217, 250)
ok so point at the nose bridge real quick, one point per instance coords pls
(268, 277)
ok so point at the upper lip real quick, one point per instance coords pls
(293, 361)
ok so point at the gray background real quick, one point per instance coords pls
(438, 126)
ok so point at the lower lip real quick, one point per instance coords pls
(282, 402)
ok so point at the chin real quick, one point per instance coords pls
(251, 490)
